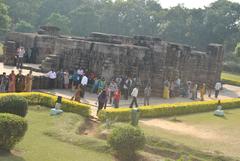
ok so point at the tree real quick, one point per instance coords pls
(5, 20)
(237, 50)
(23, 26)
(84, 20)
(61, 21)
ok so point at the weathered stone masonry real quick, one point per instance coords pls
(149, 59)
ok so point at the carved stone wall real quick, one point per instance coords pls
(148, 59)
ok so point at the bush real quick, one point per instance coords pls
(12, 130)
(162, 110)
(14, 104)
(38, 98)
(125, 140)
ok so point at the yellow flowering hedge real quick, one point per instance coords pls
(124, 114)
(38, 98)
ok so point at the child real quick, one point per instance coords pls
(116, 98)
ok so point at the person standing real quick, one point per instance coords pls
(209, 90)
(52, 76)
(75, 79)
(116, 98)
(112, 89)
(102, 99)
(194, 92)
(84, 83)
(60, 79)
(101, 85)
(218, 86)
(3, 82)
(134, 94)
(20, 82)
(28, 82)
(202, 91)
(166, 93)
(12, 82)
(20, 55)
(147, 94)
(66, 79)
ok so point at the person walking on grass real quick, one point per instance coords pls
(112, 89)
(102, 99)
(147, 94)
(134, 94)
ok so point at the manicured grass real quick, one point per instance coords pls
(229, 78)
(205, 132)
(37, 146)
(1, 49)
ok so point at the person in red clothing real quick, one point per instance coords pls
(116, 98)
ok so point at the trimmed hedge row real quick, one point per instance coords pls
(38, 98)
(14, 104)
(12, 130)
(163, 110)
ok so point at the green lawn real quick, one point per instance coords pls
(1, 49)
(229, 78)
(203, 132)
(37, 146)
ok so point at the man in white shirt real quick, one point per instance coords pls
(80, 72)
(52, 76)
(218, 86)
(84, 83)
(134, 94)
(20, 55)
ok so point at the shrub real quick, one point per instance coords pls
(162, 110)
(38, 98)
(14, 104)
(125, 140)
(12, 130)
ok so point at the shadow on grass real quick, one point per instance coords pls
(7, 156)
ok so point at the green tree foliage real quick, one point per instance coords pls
(237, 50)
(23, 26)
(5, 20)
(63, 22)
(217, 23)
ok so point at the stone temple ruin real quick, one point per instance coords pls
(148, 59)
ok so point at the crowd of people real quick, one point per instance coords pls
(16, 82)
(189, 89)
(108, 92)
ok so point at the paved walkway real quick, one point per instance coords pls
(228, 91)
(8, 70)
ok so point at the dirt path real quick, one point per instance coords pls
(181, 128)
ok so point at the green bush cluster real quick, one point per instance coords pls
(38, 98)
(162, 110)
(14, 104)
(231, 82)
(12, 130)
(126, 140)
